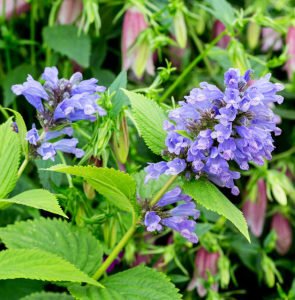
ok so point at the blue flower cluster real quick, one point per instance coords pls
(59, 102)
(212, 128)
(180, 218)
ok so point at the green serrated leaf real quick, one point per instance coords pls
(118, 187)
(140, 283)
(149, 118)
(48, 296)
(9, 158)
(38, 198)
(76, 245)
(207, 194)
(39, 265)
(66, 40)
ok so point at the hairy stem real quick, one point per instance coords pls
(189, 68)
(163, 190)
(114, 254)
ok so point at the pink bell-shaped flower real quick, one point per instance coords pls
(69, 11)
(218, 28)
(290, 41)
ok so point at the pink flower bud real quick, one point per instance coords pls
(69, 11)
(271, 40)
(205, 262)
(290, 41)
(283, 229)
(218, 28)
(254, 212)
(138, 57)
(13, 7)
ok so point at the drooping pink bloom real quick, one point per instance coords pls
(136, 56)
(271, 40)
(69, 11)
(290, 41)
(13, 7)
(283, 229)
(205, 262)
(218, 28)
(254, 212)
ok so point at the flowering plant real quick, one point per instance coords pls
(147, 150)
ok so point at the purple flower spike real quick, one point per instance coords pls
(212, 128)
(180, 218)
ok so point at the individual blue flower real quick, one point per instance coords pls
(47, 151)
(181, 218)
(33, 91)
(235, 125)
(50, 135)
(68, 146)
(33, 136)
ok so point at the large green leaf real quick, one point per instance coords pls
(76, 245)
(207, 194)
(15, 289)
(40, 199)
(118, 187)
(9, 158)
(48, 296)
(149, 119)
(140, 283)
(66, 40)
(39, 265)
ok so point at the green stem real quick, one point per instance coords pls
(69, 178)
(22, 167)
(189, 68)
(32, 33)
(163, 190)
(114, 254)
(4, 112)
(283, 154)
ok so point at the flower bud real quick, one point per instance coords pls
(205, 262)
(254, 212)
(13, 7)
(89, 191)
(180, 29)
(223, 267)
(290, 41)
(238, 56)
(218, 28)
(201, 23)
(136, 51)
(269, 269)
(271, 40)
(69, 11)
(120, 141)
(282, 227)
(253, 34)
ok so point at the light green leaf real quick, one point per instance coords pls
(207, 194)
(222, 11)
(48, 296)
(137, 283)
(287, 114)
(22, 131)
(116, 186)
(76, 245)
(119, 99)
(149, 118)
(39, 265)
(40, 199)
(66, 40)
(9, 158)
